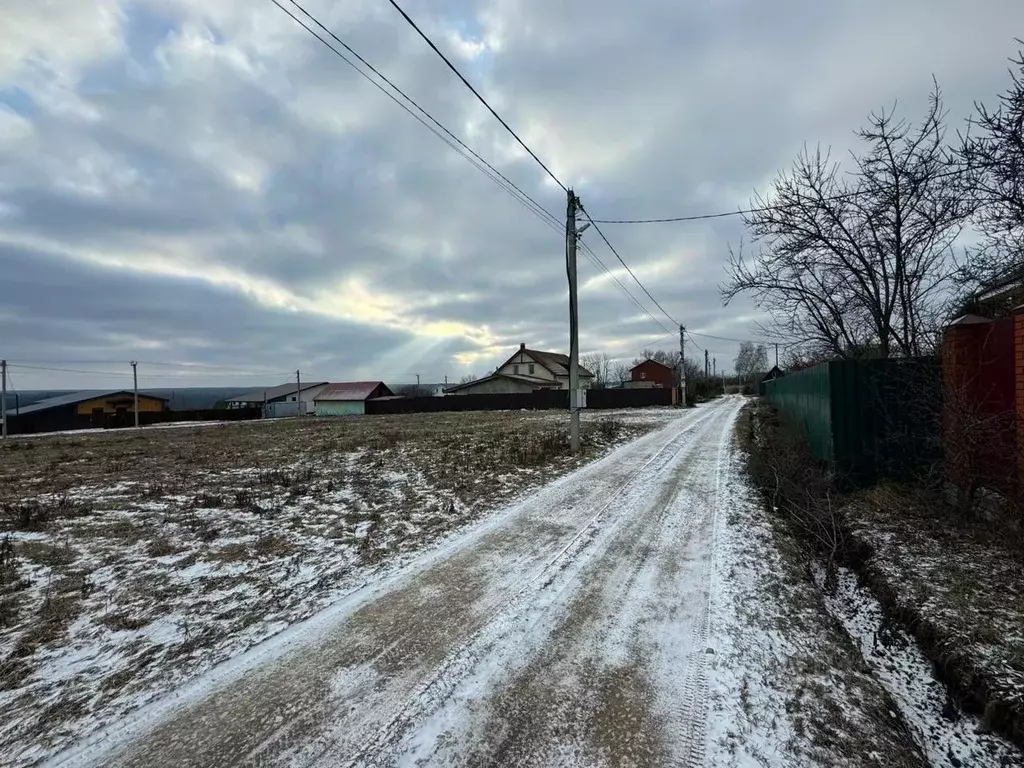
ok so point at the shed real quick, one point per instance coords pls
(90, 408)
(349, 398)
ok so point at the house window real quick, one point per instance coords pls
(515, 369)
(531, 369)
(643, 374)
(292, 398)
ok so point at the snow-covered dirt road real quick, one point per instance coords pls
(570, 629)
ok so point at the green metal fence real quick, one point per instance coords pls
(865, 418)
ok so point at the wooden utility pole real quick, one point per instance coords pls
(135, 383)
(776, 354)
(706, 369)
(574, 364)
(682, 365)
(3, 398)
(298, 394)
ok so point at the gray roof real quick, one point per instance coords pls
(70, 399)
(273, 393)
(533, 380)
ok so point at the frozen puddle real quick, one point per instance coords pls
(895, 659)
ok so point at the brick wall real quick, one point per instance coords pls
(983, 378)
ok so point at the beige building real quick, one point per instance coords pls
(526, 370)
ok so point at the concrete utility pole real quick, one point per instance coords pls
(714, 367)
(298, 395)
(135, 382)
(417, 385)
(3, 397)
(776, 354)
(574, 331)
(682, 364)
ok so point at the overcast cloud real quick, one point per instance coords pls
(200, 181)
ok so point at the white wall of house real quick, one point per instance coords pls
(307, 398)
(522, 364)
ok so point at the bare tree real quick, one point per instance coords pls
(751, 360)
(995, 157)
(859, 264)
(619, 373)
(599, 364)
(467, 378)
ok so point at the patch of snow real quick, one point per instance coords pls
(950, 738)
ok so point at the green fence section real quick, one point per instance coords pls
(865, 418)
(804, 401)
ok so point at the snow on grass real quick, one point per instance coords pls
(949, 738)
(154, 555)
(788, 688)
(964, 583)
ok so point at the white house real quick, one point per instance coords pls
(281, 400)
(526, 370)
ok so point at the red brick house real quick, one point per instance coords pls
(651, 373)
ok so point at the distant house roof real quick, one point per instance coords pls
(273, 393)
(774, 373)
(555, 362)
(353, 390)
(656, 362)
(73, 398)
(535, 381)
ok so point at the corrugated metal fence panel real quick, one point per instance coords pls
(886, 416)
(804, 401)
(866, 418)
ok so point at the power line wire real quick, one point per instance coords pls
(202, 366)
(719, 338)
(624, 264)
(412, 101)
(596, 261)
(523, 197)
(148, 376)
(493, 174)
(69, 370)
(477, 94)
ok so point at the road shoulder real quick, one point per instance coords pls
(788, 685)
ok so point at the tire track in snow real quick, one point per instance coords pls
(440, 687)
(694, 701)
(566, 640)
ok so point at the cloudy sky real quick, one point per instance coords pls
(202, 183)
